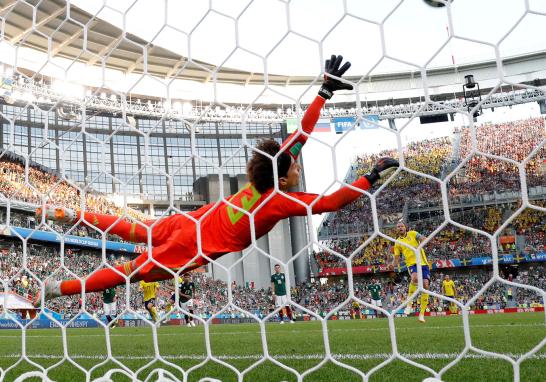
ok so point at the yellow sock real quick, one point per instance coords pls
(412, 288)
(153, 312)
(424, 303)
(169, 308)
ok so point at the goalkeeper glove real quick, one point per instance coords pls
(381, 167)
(330, 85)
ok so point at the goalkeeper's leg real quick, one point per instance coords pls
(127, 230)
(108, 278)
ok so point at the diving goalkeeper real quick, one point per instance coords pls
(223, 228)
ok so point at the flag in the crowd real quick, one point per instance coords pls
(444, 264)
(323, 126)
(249, 284)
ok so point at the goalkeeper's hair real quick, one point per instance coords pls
(260, 168)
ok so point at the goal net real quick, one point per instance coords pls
(140, 110)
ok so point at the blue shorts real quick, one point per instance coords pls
(424, 268)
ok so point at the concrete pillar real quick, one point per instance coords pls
(227, 261)
(392, 124)
(299, 239)
(213, 187)
(257, 267)
(280, 247)
(209, 189)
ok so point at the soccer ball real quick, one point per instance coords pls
(432, 379)
(437, 3)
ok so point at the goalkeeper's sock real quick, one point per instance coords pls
(424, 303)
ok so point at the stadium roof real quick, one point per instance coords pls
(73, 33)
(84, 37)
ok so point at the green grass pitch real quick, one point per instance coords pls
(360, 344)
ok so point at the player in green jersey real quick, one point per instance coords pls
(278, 287)
(109, 302)
(375, 291)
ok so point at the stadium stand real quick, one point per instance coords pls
(347, 229)
(319, 297)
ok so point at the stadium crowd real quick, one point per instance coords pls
(325, 297)
(44, 183)
(450, 243)
(513, 140)
(212, 295)
(478, 177)
(348, 228)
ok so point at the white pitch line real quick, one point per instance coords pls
(293, 357)
(190, 332)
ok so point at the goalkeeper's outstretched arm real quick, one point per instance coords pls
(332, 67)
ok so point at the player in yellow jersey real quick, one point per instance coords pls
(355, 310)
(150, 293)
(449, 290)
(412, 239)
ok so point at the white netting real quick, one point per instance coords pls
(57, 33)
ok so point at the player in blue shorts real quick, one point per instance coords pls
(413, 239)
